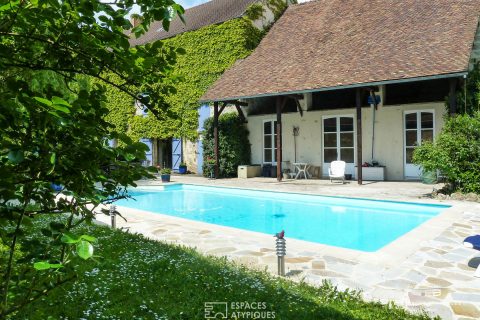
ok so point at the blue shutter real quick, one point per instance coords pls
(203, 114)
(149, 154)
(176, 153)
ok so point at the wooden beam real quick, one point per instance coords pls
(452, 97)
(296, 96)
(280, 103)
(299, 107)
(215, 138)
(222, 108)
(240, 113)
(283, 103)
(358, 101)
(240, 103)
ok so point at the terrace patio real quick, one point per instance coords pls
(426, 268)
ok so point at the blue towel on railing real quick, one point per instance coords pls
(472, 242)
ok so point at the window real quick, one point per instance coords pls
(269, 141)
(419, 127)
(338, 139)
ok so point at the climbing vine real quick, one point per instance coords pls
(209, 51)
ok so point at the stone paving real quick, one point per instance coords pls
(427, 269)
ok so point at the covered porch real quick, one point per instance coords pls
(368, 87)
(373, 128)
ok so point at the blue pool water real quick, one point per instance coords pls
(365, 225)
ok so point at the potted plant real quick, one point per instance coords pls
(182, 169)
(165, 174)
(210, 166)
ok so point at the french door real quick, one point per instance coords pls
(419, 126)
(338, 142)
(270, 141)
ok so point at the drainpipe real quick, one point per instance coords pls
(375, 105)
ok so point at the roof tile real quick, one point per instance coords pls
(212, 12)
(329, 43)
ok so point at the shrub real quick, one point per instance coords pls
(165, 171)
(233, 145)
(468, 99)
(455, 153)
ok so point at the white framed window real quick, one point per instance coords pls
(269, 141)
(419, 126)
(339, 138)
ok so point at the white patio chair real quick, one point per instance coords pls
(337, 171)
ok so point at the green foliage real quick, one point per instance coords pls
(468, 99)
(233, 144)
(278, 7)
(53, 129)
(455, 153)
(138, 278)
(121, 106)
(165, 171)
(255, 11)
(209, 51)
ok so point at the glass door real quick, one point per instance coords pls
(419, 127)
(338, 142)
(270, 141)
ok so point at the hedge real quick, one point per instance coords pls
(233, 144)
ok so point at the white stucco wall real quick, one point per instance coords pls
(389, 137)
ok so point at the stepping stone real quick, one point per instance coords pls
(454, 276)
(420, 300)
(221, 250)
(466, 226)
(397, 284)
(326, 273)
(466, 297)
(331, 259)
(318, 264)
(439, 282)
(454, 257)
(249, 253)
(415, 276)
(438, 264)
(298, 260)
(386, 295)
(465, 309)
(438, 293)
(444, 312)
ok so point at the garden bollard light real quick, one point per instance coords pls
(113, 216)
(280, 245)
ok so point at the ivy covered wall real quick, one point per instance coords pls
(209, 51)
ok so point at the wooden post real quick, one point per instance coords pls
(279, 105)
(359, 135)
(215, 138)
(452, 98)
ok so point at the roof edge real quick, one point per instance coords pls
(348, 86)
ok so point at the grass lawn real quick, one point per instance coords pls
(137, 278)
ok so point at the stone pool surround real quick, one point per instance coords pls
(428, 268)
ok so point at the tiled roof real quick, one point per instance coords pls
(334, 43)
(212, 12)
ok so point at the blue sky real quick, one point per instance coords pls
(190, 3)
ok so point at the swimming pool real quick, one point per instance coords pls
(359, 224)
